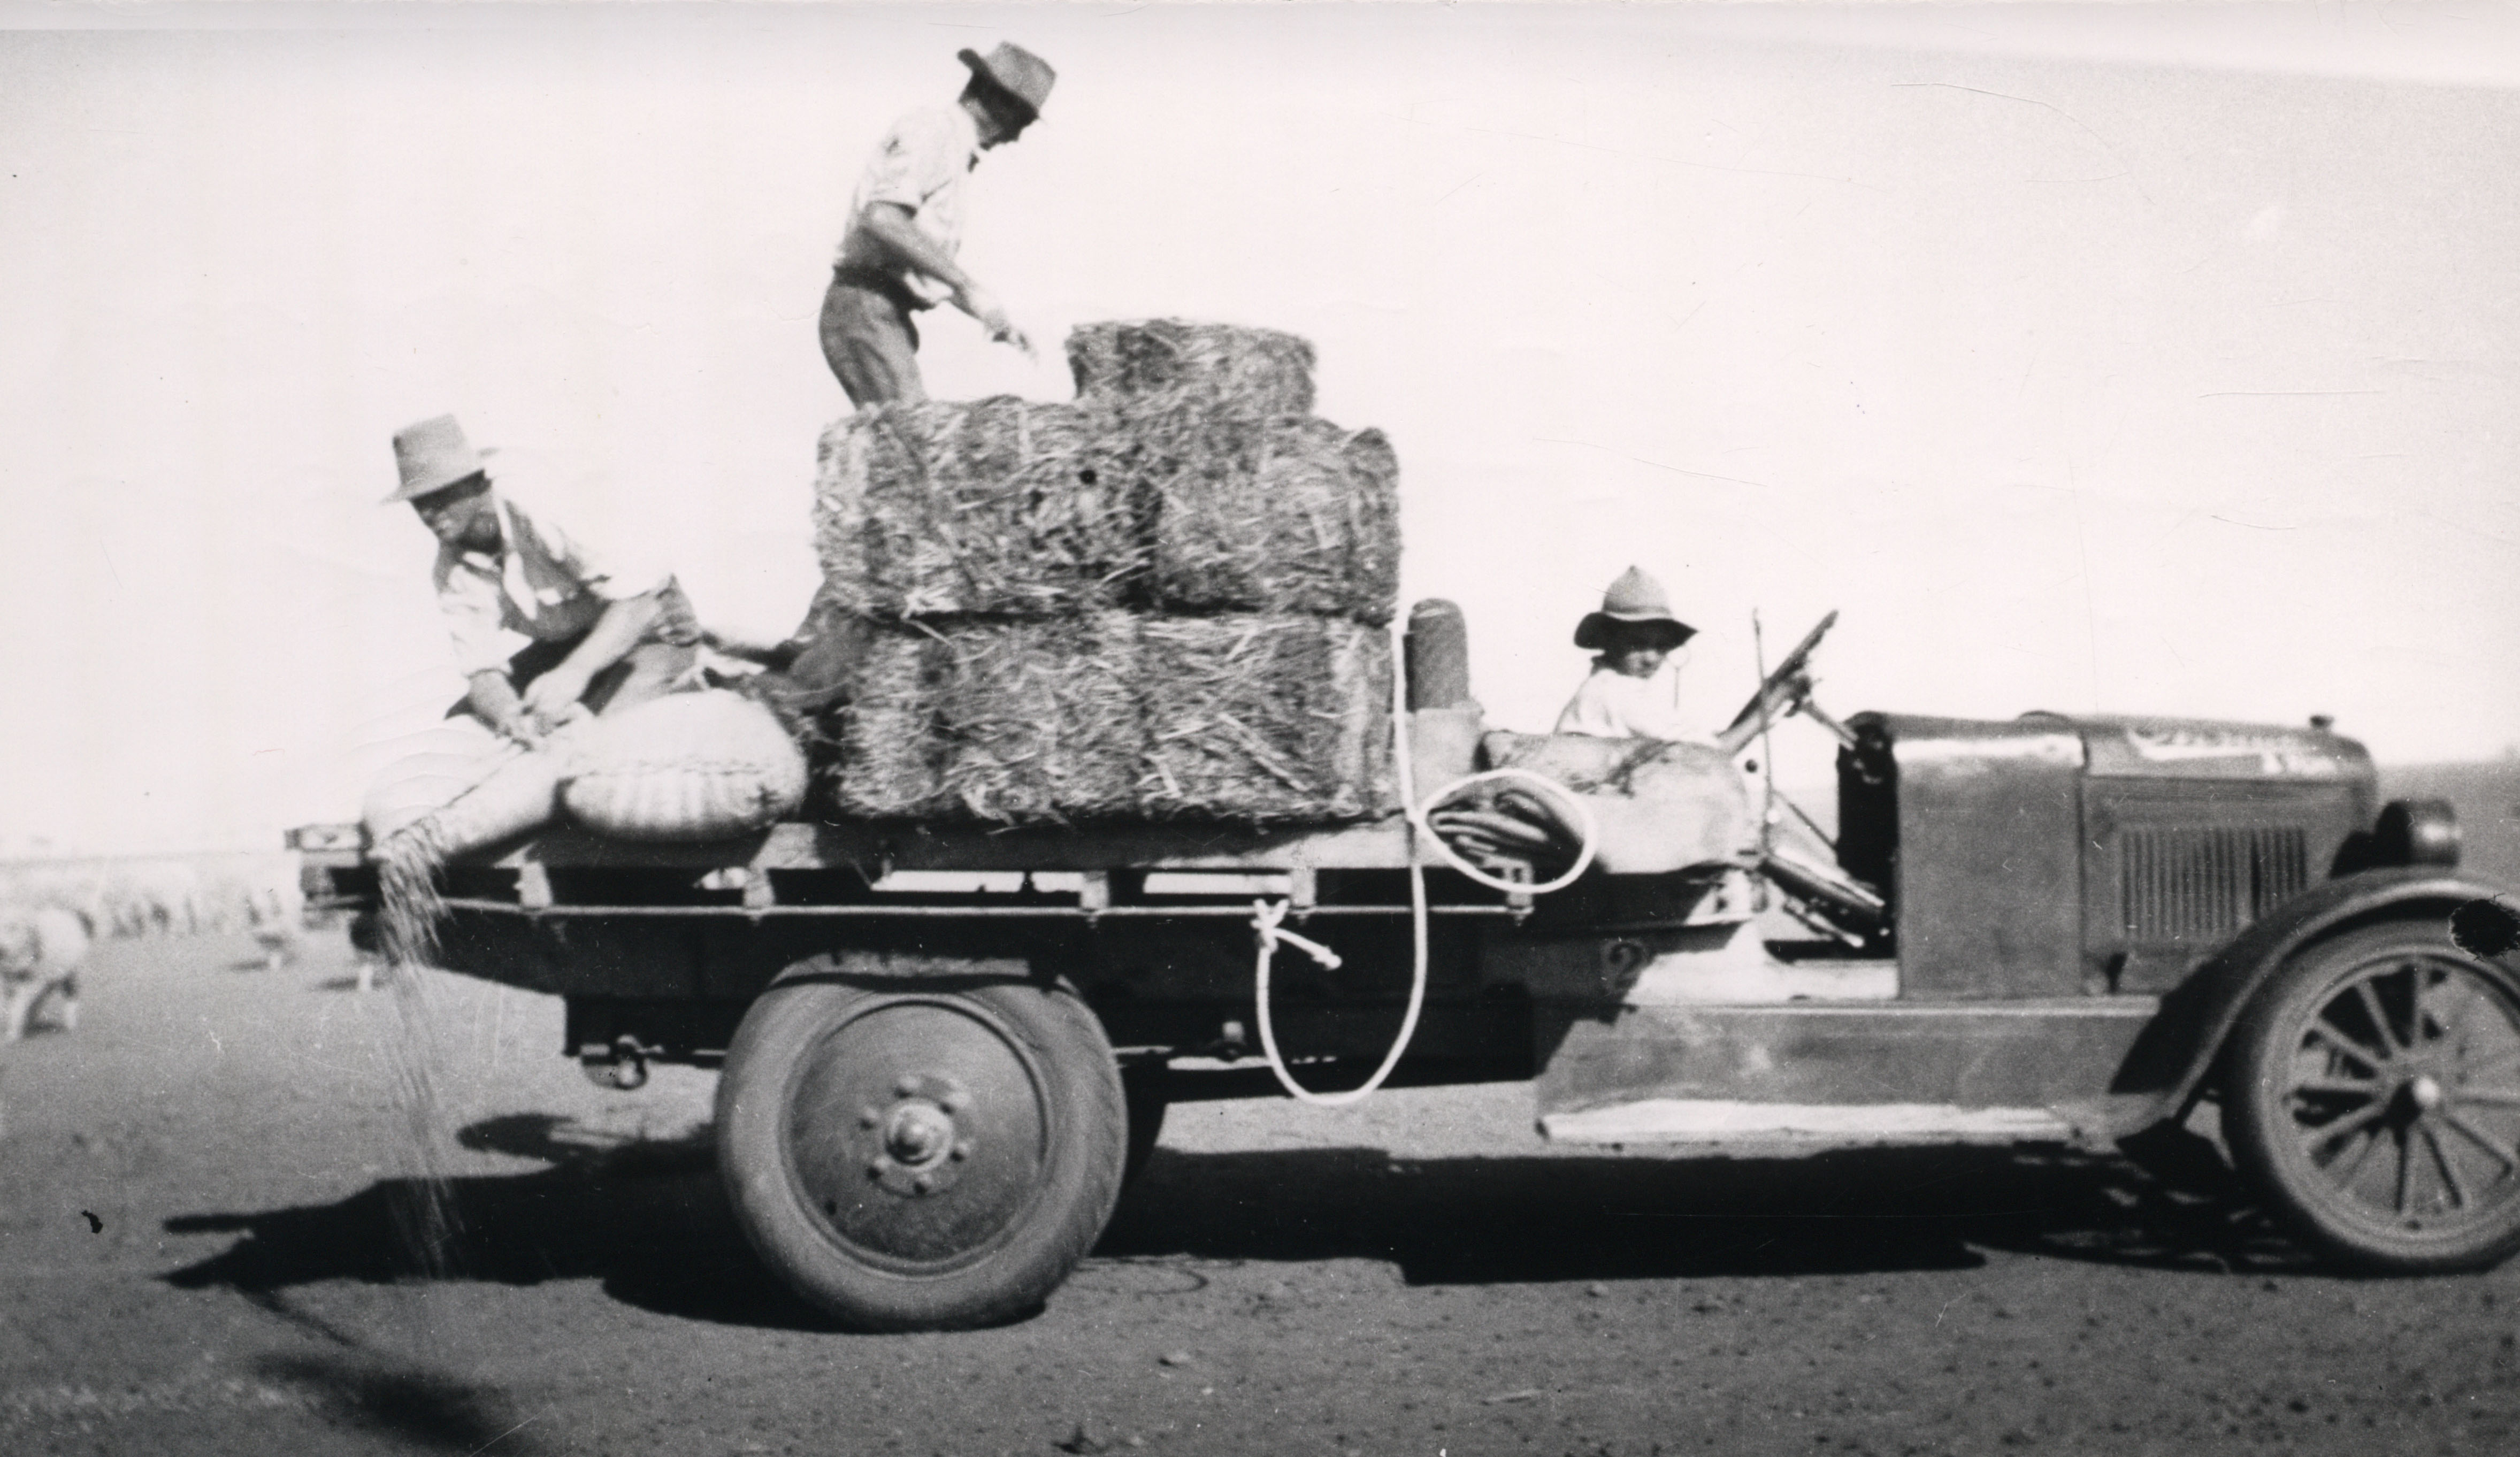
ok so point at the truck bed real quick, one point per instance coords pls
(864, 845)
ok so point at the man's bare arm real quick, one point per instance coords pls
(890, 224)
(551, 697)
(494, 701)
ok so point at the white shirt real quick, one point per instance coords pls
(544, 582)
(1614, 705)
(922, 166)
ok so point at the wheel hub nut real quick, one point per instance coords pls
(918, 1133)
(914, 1146)
(2424, 1093)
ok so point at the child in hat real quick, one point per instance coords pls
(1633, 689)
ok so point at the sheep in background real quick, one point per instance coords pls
(41, 951)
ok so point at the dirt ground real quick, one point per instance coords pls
(197, 1256)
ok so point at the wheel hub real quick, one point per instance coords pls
(2405, 1098)
(917, 1132)
(918, 1148)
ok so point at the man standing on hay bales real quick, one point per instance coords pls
(906, 225)
(607, 633)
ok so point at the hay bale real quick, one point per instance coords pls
(839, 513)
(1265, 719)
(1283, 515)
(1206, 368)
(1042, 719)
(892, 747)
(996, 507)
(1017, 722)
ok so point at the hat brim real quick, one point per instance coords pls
(432, 486)
(1592, 633)
(979, 65)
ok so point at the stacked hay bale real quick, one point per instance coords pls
(1166, 600)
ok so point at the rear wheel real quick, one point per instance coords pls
(2375, 1098)
(921, 1158)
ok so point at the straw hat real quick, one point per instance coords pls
(1634, 598)
(1015, 71)
(432, 456)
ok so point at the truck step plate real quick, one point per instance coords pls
(1676, 982)
(1673, 1120)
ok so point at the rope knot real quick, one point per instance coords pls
(1266, 923)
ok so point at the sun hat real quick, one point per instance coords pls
(1634, 598)
(1015, 71)
(432, 456)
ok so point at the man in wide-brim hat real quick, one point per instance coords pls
(905, 227)
(1633, 689)
(607, 629)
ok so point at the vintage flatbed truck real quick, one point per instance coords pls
(944, 1047)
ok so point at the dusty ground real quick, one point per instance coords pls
(195, 1256)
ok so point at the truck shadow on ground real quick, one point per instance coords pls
(649, 1221)
(1554, 1219)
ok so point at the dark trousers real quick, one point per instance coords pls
(870, 339)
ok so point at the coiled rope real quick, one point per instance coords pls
(1266, 919)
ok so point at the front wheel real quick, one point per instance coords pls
(921, 1158)
(2375, 1098)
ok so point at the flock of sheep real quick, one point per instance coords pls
(189, 895)
(50, 911)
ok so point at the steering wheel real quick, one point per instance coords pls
(1785, 675)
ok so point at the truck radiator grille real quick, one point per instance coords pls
(2188, 884)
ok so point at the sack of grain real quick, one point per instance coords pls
(998, 506)
(441, 765)
(1265, 719)
(516, 795)
(1207, 368)
(1656, 805)
(1005, 722)
(1280, 515)
(685, 767)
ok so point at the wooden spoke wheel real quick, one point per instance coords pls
(921, 1157)
(2375, 1098)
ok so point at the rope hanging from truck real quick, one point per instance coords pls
(1268, 932)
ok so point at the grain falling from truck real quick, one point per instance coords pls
(422, 1209)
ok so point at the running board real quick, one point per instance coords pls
(1675, 1120)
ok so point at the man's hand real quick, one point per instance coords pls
(518, 728)
(495, 703)
(983, 306)
(552, 699)
(1790, 695)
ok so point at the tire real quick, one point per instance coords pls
(920, 1156)
(2374, 1099)
(1149, 1093)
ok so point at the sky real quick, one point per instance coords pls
(2116, 359)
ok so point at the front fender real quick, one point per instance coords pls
(2171, 1058)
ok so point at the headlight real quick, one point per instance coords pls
(2417, 832)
